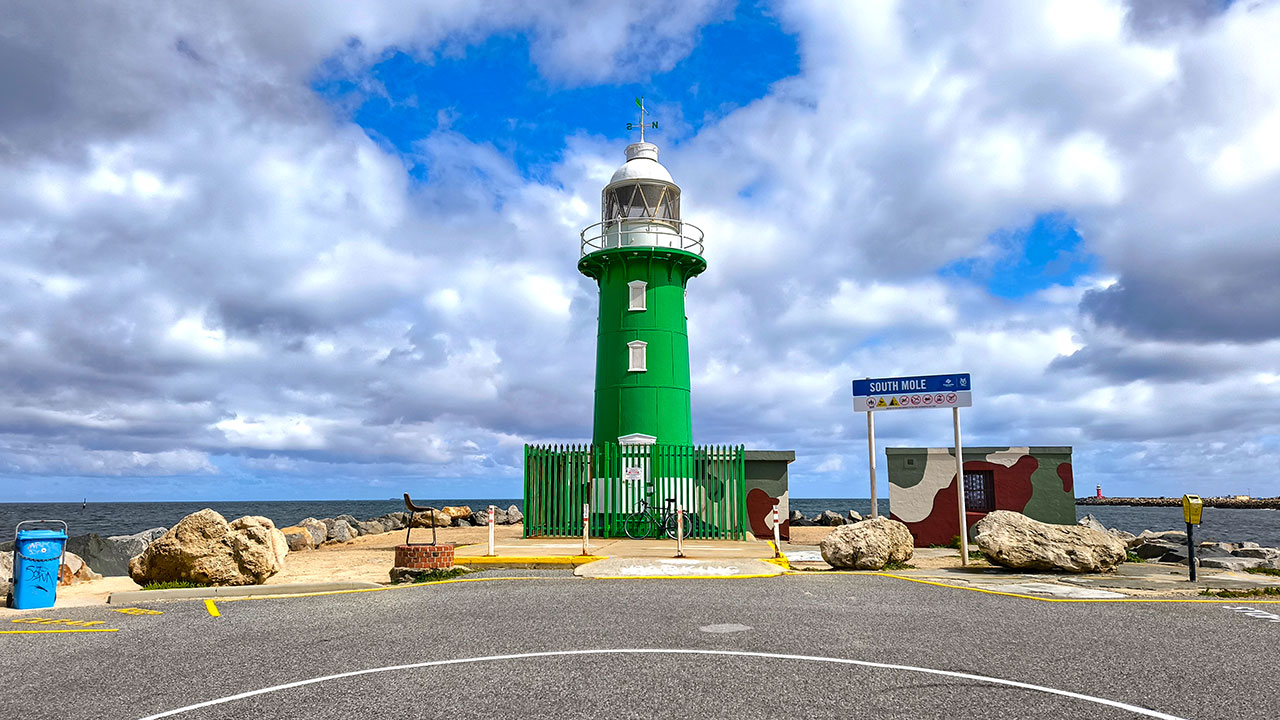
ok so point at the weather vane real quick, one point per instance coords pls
(641, 124)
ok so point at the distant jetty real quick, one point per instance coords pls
(1239, 503)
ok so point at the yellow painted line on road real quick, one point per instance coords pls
(683, 577)
(213, 609)
(41, 632)
(382, 589)
(1216, 601)
(137, 611)
(781, 559)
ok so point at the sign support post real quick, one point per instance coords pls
(871, 454)
(964, 525)
(873, 395)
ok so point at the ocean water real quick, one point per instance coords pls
(128, 518)
(1260, 526)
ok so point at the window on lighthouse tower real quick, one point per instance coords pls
(636, 299)
(635, 356)
(642, 200)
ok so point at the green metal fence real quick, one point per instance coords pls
(615, 481)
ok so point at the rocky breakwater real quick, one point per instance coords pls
(1015, 541)
(867, 545)
(204, 548)
(826, 518)
(1230, 502)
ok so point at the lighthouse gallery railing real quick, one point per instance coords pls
(642, 232)
(614, 480)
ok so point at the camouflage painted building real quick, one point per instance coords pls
(766, 486)
(1035, 481)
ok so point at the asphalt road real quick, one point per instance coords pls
(1185, 660)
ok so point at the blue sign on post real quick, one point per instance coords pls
(912, 392)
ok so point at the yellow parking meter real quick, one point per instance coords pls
(1191, 508)
(1192, 505)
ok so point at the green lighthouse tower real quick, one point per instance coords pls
(642, 255)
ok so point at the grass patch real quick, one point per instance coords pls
(1263, 571)
(173, 585)
(1251, 592)
(898, 566)
(976, 555)
(438, 574)
(1132, 557)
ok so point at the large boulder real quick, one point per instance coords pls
(481, 517)
(299, 538)
(394, 521)
(854, 516)
(1238, 564)
(74, 570)
(353, 523)
(370, 527)
(1016, 541)
(318, 531)
(867, 545)
(204, 548)
(111, 555)
(828, 518)
(457, 512)
(514, 516)
(340, 531)
(431, 518)
(799, 520)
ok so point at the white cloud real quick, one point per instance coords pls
(203, 262)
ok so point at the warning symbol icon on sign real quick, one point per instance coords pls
(892, 403)
(881, 403)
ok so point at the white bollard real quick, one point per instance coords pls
(491, 516)
(679, 532)
(777, 546)
(586, 528)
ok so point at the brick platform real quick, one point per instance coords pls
(424, 557)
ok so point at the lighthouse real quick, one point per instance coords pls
(642, 255)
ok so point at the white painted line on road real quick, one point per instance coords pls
(725, 628)
(1253, 612)
(660, 651)
(1051, 589)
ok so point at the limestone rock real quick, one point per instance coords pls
(431, 518)
(340, 531)
(828, 518)
(456, 512)
(867, 545)
(111, 555)
(262, 529)
(854, 516)
(317, 529)
(461, 522)
(1016, 541)
(298, 538)
(6, 567)
(371, 527)
(74, 570)
(1092, 522)
(204, 548)
(799, 520)
(514, 516)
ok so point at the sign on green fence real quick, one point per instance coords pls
(619, 482)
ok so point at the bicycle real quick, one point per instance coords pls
(645, 523)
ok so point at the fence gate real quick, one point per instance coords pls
(619, 480)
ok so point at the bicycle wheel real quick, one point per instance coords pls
(639, 526)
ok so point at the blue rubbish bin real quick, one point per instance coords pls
(37, 555)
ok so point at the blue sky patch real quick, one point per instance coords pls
(1045, 253)
(493, 93)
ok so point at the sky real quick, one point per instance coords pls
(328, 251)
